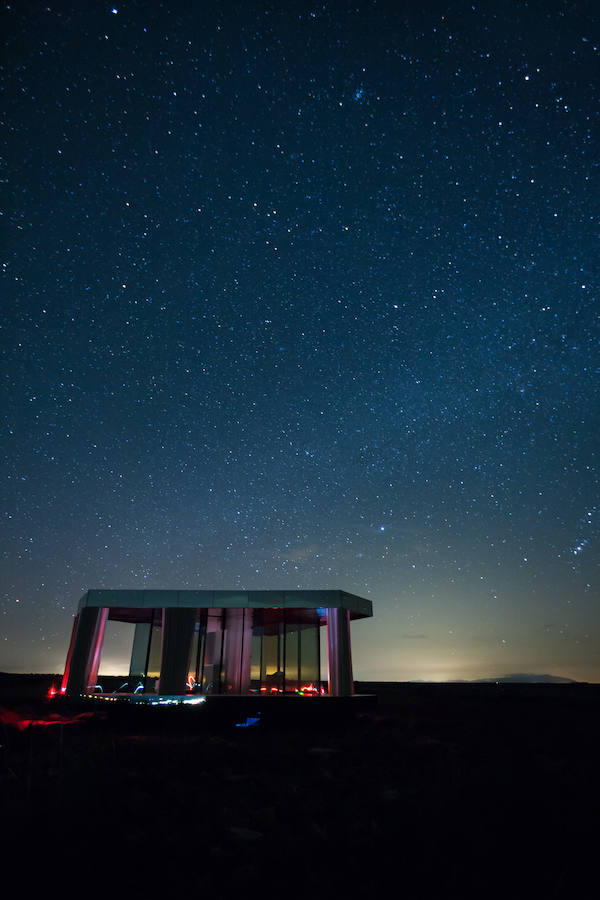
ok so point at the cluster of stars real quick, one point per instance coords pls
(306, 299)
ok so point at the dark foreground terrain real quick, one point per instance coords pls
(438, 791)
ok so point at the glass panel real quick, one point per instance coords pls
(324, 667)
(116, 651)
(192, 675)
(286, 651)
(256, 651)
(292, 657)
(139, 657)
(271, 675)
(266, 651)
(306, 622)
(201, 649)
(310, 659)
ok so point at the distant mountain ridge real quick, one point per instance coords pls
(513, 678)
(525, 678)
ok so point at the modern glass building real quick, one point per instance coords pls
(220, 642)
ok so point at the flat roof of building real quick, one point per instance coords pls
(358, 607)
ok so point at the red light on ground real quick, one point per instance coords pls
(51, 693)
(21, 723)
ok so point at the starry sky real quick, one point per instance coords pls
(306, 296)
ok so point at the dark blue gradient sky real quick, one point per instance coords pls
(306, 296)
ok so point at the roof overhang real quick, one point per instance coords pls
(358, 607)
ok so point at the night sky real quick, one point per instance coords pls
(305, 296)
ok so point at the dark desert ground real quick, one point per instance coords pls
(444, 790)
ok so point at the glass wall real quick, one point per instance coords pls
(285, 652)
(238, 651)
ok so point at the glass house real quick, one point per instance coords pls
(220, 642)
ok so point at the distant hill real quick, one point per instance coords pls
(525, 678)
(512, 678)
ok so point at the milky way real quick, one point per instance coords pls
(306, 296)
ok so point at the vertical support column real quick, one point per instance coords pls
(236, 651)
(139, 652)
(178, 634)
(65, 678)
(339, 657)
(87, 649)
(246, 652)
(157, 629)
